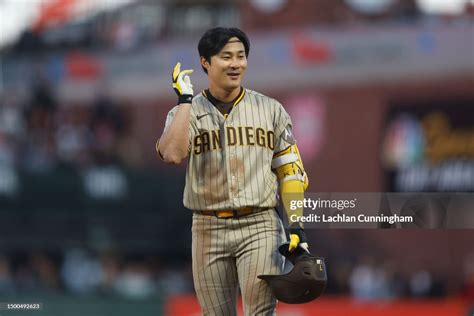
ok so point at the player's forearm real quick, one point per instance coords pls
(291, 192)
(174, 143)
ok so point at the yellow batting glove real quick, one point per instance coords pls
(297, 238)
(182, 84)
(294, 241)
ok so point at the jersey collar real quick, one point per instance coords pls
(236, 101)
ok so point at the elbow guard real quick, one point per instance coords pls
(289, 166)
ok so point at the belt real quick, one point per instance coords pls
(231, 213)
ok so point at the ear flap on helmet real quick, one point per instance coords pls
(304, 283)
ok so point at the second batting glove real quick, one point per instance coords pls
(182, 84)
(297, 238)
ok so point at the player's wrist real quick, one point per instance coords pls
(296, 226)
(185, 99)
(297, 229)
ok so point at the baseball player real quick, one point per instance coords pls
(240, 150)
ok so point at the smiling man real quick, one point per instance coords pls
(241, 150)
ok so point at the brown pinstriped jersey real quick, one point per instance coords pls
(230, 158)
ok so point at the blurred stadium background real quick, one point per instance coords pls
(92, 223)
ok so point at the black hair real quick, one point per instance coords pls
(212, 42)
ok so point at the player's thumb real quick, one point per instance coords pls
(187, 81)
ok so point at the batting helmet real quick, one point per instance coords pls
(304, 283)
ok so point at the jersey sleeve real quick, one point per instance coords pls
(169, 119)
(283, 128)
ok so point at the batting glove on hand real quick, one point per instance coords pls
(297, 238)
(182, 84)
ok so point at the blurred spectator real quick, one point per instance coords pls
(128, 151)
(135, 281)
(39, 152)
(78, 136)
(11, 120)
(46, 272)
(11, 129)
(339, 272)
(125, 36)
(369, 281)
(73, 138)
(7, 154)
(439, 288)
(397, 283)
(176, 281)
(6, 279)
(421, 283)
(81, 272)
(424, 283)
(24, 276)
(106, 124)
(144, 276)
(110, 264)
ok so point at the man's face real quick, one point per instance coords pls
(226, 69)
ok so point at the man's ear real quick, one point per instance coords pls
(205, 63)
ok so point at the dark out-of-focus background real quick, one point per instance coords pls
(92, 223)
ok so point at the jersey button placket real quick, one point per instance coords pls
(232, 179)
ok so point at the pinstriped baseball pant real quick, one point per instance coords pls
(230, 252)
